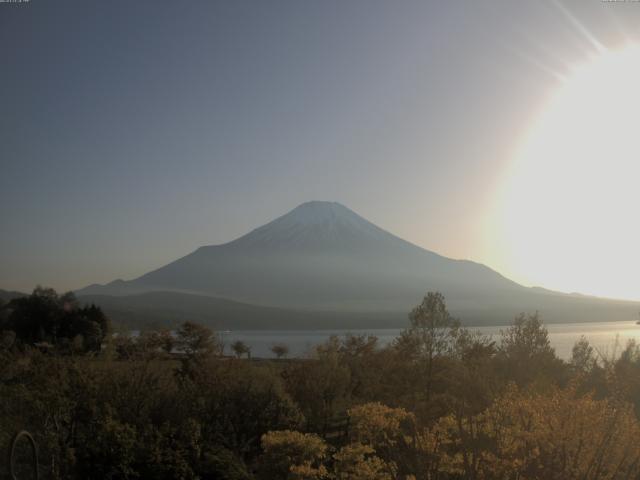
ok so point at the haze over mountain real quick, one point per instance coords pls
(323, 257)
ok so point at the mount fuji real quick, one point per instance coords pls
(322, 258)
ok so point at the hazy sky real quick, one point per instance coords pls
(133, 132)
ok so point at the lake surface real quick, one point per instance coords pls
(604, 336)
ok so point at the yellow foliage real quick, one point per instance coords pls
(306, 471)
(357, 462)
(552, 436)
(293, 455)
(378, 425)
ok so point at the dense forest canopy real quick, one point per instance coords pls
(53, 320)
(441, 402)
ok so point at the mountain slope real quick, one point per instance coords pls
(153, 310)
(7, 295)
(322, 256)
(168, 309)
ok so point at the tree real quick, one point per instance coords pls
(237, 402)
(3, 311)
(582, 356)
(526, 352)
(360, 354)
(240, 348)
(45, 316)
(280, 350)
(320, 385)
(471, 381)
(429, 336)
(220, 463)
(357, 462)
(109, 452)
(555, 435)
(166, 341)
(293, 455)
(35, 318)
(196, 340)
(198, 344)
(390, 432)
(380, 426)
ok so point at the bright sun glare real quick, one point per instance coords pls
(569, 208)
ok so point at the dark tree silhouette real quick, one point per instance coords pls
(280, 350)
(240, 348)
(58, 320)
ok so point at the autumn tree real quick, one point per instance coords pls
(196, 340)
(280, 350)
(583, 357)
(320, 385)
(237, 402)
(526, 353)
(557, 435)
(390, 432)
(293, 455)
(359, 462)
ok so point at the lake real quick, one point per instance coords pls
(602, 335)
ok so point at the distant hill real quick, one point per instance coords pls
(167, 309)
(155, 310)
(323, 259)
(7, 295)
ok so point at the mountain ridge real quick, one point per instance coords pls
(323, 257)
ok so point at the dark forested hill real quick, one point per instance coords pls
(7, 295)
(168, 309)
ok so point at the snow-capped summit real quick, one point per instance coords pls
(318, 255)
(321, 256)
(316, 226)
(317, 212)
